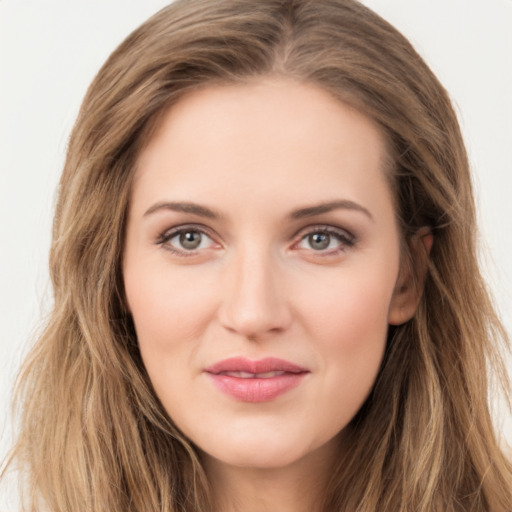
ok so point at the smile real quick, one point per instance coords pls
(255, 381)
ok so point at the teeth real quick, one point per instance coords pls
(247, 375)
(241, 375)
(269, 375)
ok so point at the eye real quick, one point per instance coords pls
(324, 239)
(186, 240)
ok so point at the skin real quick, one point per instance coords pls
(260, 284)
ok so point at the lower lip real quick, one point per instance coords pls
(257, 390)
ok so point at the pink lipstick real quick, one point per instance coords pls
(255, 381)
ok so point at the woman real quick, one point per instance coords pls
(266, 289)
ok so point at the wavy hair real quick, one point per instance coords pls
(92, 433)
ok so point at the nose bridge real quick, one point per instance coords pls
(254, 300)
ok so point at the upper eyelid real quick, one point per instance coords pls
(201, 228)
(306, 229)
(299, 235)
(324, 228)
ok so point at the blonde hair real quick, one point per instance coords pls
(93, 435)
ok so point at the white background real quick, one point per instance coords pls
(51, 50)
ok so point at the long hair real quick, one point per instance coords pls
(93, 435)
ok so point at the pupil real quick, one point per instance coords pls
(319, 241)
(190, 239)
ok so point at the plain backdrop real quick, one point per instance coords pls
(51, 50)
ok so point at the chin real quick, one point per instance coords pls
(260, 448)
(260, 457)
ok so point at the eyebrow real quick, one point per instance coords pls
(301, 213)
(193, 208)
(342, 204)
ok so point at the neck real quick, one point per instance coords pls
(297, 487)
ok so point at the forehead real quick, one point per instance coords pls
(266, 136)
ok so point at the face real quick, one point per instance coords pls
(262, 268)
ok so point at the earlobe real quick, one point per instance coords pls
(411, 279)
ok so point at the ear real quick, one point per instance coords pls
(411, 278)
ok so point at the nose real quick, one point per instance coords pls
(254, 296)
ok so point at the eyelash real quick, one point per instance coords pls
(168, 235)
(345, 239)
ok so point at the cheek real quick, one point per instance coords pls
(349, 327)
(167, 306)
(351, 310)
(170, 311)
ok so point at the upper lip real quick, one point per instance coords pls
(242, 364)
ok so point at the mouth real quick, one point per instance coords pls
(247, 375)
(255, 381)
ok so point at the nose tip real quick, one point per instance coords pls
(254, 301)
(251, 323)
